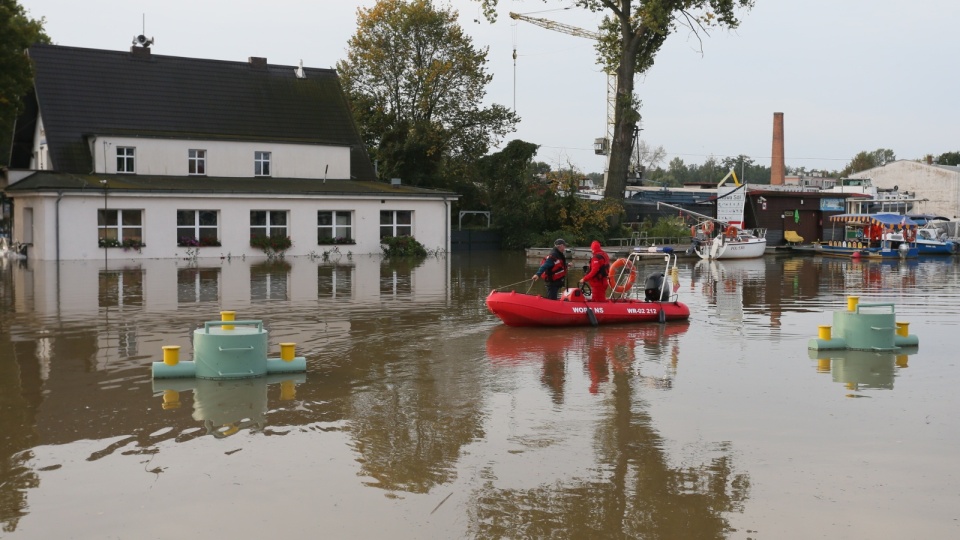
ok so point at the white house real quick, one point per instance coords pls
(936, 186)
(137, 155)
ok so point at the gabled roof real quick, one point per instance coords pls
(83, 92)
(49, 181)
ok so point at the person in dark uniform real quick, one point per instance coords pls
(553, 270)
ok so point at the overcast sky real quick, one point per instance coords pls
(849, 75)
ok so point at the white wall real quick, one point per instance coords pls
(79, 232)
(941, 187)
(168, 157)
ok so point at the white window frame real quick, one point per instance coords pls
(390, 226)
(196, 228)
(261, 163)
(123, 231)
(335, 230)
(197, 162)
(269, 228)
(126, 160)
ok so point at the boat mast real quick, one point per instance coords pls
(691, 212)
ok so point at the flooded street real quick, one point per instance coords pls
(422, 416)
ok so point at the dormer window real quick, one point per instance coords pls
(261, 163)
(197, 162)
(125, 161)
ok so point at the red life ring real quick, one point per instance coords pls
(708, 227)
(616, 272)
(730, 231)
(693, 231)
(908, 235)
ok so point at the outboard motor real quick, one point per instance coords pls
(653, 287)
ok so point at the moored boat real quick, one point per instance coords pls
(733, 243)
(575, 308)
(873, 236)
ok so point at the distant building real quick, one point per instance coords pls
(937, 187)
(167, 154)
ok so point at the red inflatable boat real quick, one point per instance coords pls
(575, 309)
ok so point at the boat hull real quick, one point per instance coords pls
(517, 309)
(733, 250)
(936, 248)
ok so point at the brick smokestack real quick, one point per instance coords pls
(777, 166)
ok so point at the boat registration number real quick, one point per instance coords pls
(642, 311)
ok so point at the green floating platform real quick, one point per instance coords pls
(867, 327)
(228, 350)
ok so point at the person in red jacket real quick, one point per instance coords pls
(596, 276)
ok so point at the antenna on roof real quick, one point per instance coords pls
(142, 39)
(299, 71)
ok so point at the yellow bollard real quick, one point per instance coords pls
(228, 316)
(825, 332)
(852, 302)
(903, 329)
(823, 365)
(901, 361)
(171, 355)
(288, 390)
(171, 399)
(287, 351)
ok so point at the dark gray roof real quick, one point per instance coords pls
(83, 92)
(49, 181)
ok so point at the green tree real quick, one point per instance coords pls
(416, 85)
(17, 33)
(949, 158)
(867, 160)
(631, 35)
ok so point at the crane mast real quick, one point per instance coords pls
(600, 146)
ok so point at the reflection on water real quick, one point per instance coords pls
(862, 370)
(226, 407)
(419, 408)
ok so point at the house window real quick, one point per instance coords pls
(335, 282)
(197, 228)
(198, 285)
(271, 223)
(197, 162)
(334, 227)
(125, 161)
(119, 227)
(261, 163)
(396, 223)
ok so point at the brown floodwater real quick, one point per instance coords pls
(421, 416)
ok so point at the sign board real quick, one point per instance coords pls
(730, 203)
(831, 205)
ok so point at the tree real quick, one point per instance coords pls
(868, 160)
(416, 82)
(631, 35)
(949, 158)
(17, 33)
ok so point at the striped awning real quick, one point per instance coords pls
(887, 221)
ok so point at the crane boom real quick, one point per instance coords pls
(601, 146)
(559, 27)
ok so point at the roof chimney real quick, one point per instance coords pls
(777, 166)
(140, 52)
(257, 62)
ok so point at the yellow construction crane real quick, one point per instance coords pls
(601, 146)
